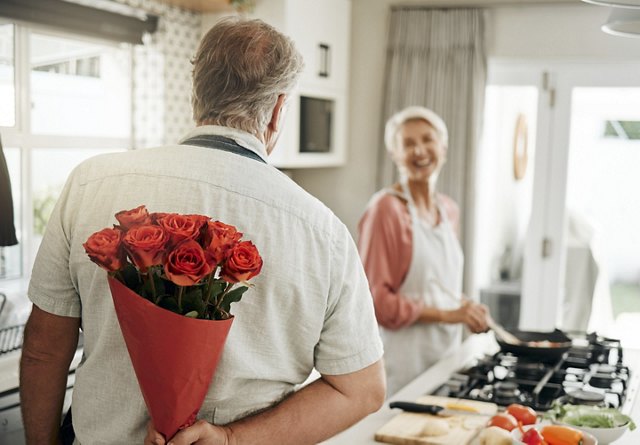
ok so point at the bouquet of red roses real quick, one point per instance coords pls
(173, 278)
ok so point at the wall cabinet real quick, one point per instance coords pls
(318, 108)
(314, 133)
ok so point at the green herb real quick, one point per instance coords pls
(588, 416)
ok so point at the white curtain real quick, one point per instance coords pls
(436, 58)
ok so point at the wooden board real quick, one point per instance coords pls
(407, 428)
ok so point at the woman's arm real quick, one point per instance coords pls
(385, 246)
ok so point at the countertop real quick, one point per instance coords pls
(473, 347)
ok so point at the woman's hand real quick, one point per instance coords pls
(472, 314)
(200, 433)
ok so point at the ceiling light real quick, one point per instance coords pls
(619, 3)
(623, 22)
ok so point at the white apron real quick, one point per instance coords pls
(436, 257)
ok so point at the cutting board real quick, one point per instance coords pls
(408, 428)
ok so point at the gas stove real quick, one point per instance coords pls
(593, 371)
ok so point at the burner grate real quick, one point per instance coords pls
(11, 339)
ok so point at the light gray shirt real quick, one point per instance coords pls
(310, 306)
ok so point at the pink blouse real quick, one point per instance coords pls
(385, 246)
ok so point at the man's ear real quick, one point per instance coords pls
(276, 115)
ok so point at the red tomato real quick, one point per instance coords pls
(504, 421)
(522, 413)
(532, 437)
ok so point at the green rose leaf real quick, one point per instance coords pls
(232, 297)
(192, 301)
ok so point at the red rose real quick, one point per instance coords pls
(146, 245)
(219, 239)
(133, 218)
(182, 227)
(157, 216)
(187, 264)
(105, 249)
(244, 262)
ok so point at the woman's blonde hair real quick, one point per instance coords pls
(396, 121)
(239, 70)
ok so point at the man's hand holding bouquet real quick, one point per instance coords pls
(173, 278)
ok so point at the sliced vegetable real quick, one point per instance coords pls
(589, 416)
(522, 413)
(561, 435)
(504, 420)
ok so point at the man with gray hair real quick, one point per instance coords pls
(310, 307)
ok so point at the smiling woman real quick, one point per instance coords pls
(411, 254)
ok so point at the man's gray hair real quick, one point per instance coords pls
(239, 70)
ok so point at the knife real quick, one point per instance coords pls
(436, 410)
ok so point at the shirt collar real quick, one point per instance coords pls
(242, 138)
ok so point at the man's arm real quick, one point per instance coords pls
(50, 342)
(317, 412)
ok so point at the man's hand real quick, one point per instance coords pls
(338, 400)
(200, 433)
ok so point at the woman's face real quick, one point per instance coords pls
(418, 151)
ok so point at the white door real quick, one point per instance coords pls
(557, 85)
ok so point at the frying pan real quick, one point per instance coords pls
(528, 348)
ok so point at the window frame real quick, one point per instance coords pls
(20, 135)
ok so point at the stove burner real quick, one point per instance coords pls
(601, 380)
(592, 372)
(532, 371)
(506, 393)
(582, 397)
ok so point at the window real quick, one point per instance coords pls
(622, 130)
(63, 99)
(7, 88)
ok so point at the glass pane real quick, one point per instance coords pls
(11, 257)
(604, 205)
(79, 88)
(7, 73)
(49, 171)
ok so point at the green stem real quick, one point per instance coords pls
(224, 293)
(180, 291)
(153, 285)
(209, 290)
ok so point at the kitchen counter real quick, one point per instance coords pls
(473, 347)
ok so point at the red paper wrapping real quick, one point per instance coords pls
(174, 356)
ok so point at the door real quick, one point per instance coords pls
(562, 93)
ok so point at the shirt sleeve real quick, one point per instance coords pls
(350, 339)
(51, 287)
(385, 245)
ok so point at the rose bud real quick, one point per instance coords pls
(219, 239)
(105, 249)
(244, 262)
(146, 245)
(187, 264)
(182, 227)
(133, 218)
